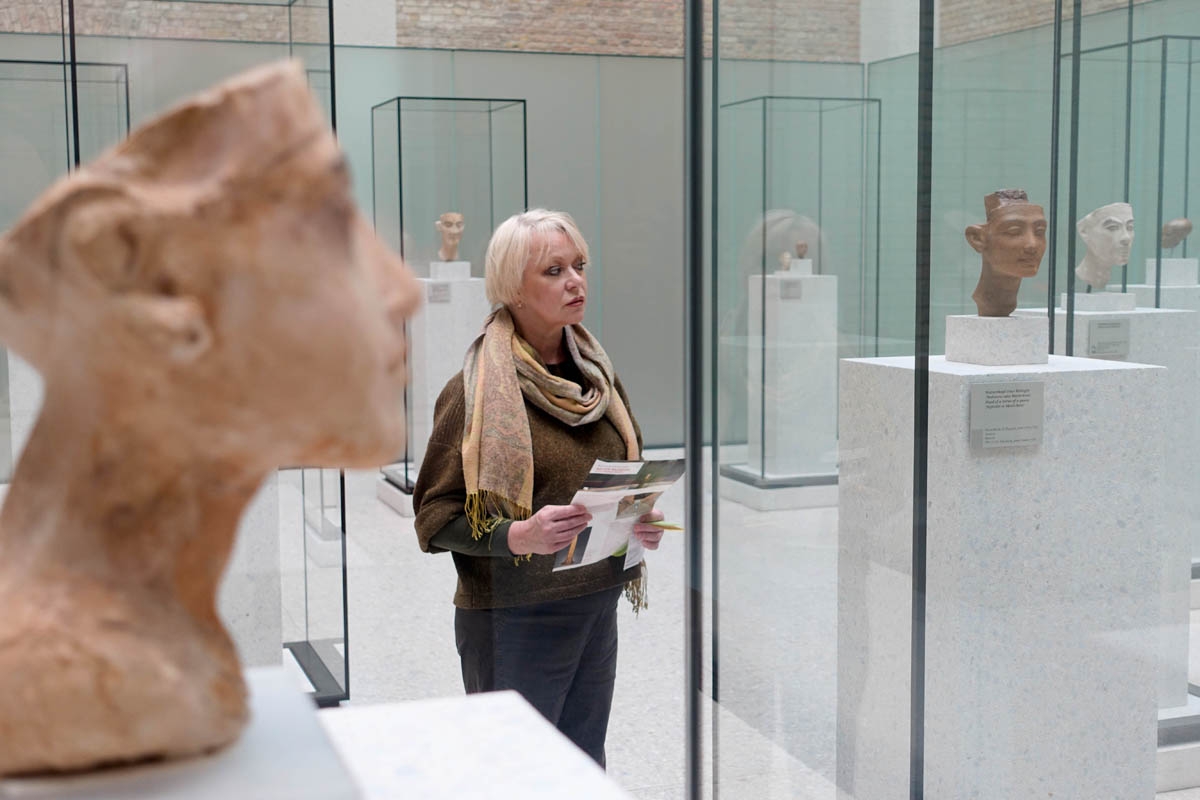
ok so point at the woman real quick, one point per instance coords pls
(514, 436)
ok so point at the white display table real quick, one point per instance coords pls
(1043, 583)
(477, 747)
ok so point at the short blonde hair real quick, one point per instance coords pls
(513, 246)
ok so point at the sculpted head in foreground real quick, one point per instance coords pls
(1108, 234)
(1012, 243)
(205, 304)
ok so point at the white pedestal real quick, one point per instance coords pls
(1101, 301)
(1175, 271)
(397, 499)
(1171, 339)
(439, 334)
(1043, 574)
(800, 266)
(449, 270)
(408, 750)
(997, 341)
(792, 369)
(1183, 297)
(282, 755)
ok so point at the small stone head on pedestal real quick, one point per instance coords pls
(1108, 234)
(1175, 232)
(1012, 243)
(801, 249)
(450, 225)
(179, 296)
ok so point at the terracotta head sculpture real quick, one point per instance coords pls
(1012, 243)
(1175, 232)
(205, 304)
(801, 249)
(1108, 234)
(450, 225)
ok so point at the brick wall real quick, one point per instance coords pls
(808, 30)
(169, 20)
(816, 30)
(967, 20)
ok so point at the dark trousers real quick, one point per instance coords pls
(561, 656)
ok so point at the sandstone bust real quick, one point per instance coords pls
(1012, 243)
(179, 295)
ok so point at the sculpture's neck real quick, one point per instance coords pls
(447, 255)
(94, 496)
(1093, 272)
(996, 293)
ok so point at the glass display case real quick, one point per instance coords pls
(433, 158)
(1138, 131)
(799, 277)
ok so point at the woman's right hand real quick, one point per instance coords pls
(549, 530)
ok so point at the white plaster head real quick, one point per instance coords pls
(1108, 234)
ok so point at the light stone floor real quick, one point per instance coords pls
(774, 729)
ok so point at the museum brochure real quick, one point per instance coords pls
(616, 493)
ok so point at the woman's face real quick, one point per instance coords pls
(553, 287)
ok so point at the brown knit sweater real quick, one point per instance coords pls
(488, 574)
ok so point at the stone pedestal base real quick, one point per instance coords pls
(1043, 577)
(282, 753)
(997, 341)
(1175, 272)
(1101, 301)
(449, 270)
(439, 334)
(1186, 298)
(1171, 339)
(792, 368)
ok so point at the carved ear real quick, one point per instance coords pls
(174, 326)
(975, 237)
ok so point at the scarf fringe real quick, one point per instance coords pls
(486, 511)
(637, 591)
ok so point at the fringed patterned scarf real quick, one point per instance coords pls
(501, 371)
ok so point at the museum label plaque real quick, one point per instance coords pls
(1108, 338)
(1007, 414)
(439, 292)
(790, 288)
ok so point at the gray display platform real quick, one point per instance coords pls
(282, 755)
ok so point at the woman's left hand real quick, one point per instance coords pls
(648, 535)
